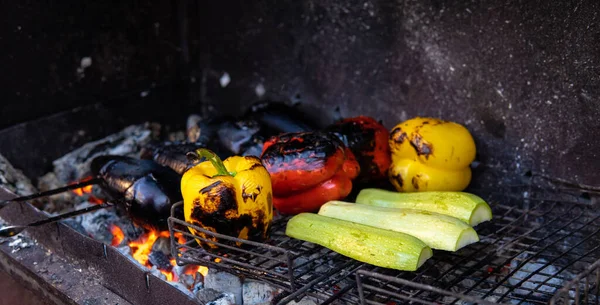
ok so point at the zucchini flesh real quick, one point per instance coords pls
(438, 231)
(383, 248)
(467, 207)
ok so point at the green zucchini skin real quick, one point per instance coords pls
(438, 231)
(383, 248)
(467, 207)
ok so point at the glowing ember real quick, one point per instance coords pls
(86, 190)
(118, 235)
(168, 274)
(83, 190)
(180, 237)
(142, 248)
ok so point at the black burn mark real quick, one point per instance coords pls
(398, 136)
(313, 148)
(254, 166)
(422, 147)
(415, 182)
(398, 179)
(224, 197)
(251, 195)
(208, 188)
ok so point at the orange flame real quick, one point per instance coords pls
(83, 190)
(87, 190)
(118, 235)
(142, 248)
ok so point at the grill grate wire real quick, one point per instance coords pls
(530, 253)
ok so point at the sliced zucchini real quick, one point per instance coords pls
(465, 206)
(438, 231)
(367, 244)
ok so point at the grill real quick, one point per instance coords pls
(522, 76)
(538, 242)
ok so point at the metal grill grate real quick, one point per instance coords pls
(534, 246)
(584, 289)
(290, 264)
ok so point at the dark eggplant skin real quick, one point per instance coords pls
(146, 189)
(280, 117)
(173, 154)
(235, 134)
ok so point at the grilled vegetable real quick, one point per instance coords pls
(308, 169)
(367, 244)
(231, 197)
(436, 230)
(280, 117)
(172, 154)
(469, 208)
(336, 187)
(368, 140)
(430, 155)
(144, 188)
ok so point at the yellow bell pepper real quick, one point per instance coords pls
(430, 154)
(232, 197)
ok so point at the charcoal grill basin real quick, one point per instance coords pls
(81, 270)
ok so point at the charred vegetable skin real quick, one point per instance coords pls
(146, 189)
(308, 169)
(246, 135)
(279, 117)
(430, 154)
(232, 197)
(368, 140)
(172, 155)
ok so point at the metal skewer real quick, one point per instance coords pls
(50, 192)
(14, 230)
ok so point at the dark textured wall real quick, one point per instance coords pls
(133, 46)
(523, 76)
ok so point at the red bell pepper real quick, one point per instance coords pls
(308, 169)
(368, 140)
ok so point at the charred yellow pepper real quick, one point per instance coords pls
(430, 154)
(231, 197)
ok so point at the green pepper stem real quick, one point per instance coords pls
(215, 160)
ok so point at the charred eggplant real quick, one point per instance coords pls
(146, 189)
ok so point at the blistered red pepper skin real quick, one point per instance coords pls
(350, 167)
(368, 140)
(300, 161)
(335, 188)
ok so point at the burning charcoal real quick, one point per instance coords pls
(157, 273)
(206, 295)
(59, 202)
(226, 298)
(125, 250)
(187, 280)
(160, 260)
(130, 229)
(75, 225)
(97, 223)
(198, 286)
(254, 292)
(14, 180)
(76, 164)
(163, 245)
(546, 274)
(182, 288)
(224, 281)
